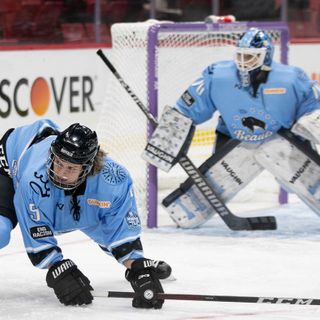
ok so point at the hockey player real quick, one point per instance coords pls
(54, 182)
(261, 104)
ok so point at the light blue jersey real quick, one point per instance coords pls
(280, 101)
(104, 207)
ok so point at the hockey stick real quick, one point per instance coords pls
(200, 297)
(232, 221)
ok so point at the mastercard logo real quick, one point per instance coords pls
(40, 96)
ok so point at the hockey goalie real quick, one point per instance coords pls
(269, 118)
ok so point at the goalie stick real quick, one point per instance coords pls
(217, 298)
(232, 221)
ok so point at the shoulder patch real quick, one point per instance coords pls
(133, 220)
(187, 98)
(41, 232)
(113, 173)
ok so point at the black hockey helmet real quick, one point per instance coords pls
(78, 145)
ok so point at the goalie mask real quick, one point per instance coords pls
(254, 53)
(71, 156)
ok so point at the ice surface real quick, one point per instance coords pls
(210, 260)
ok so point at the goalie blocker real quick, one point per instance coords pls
(294, 164)
(170, 140)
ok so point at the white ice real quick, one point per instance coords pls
(210, 260)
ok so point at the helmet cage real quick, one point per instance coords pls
(248, 59)
(51, 164)
(76, 145)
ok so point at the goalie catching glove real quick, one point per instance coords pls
(70, 285)
(170, 141)
(144, 278)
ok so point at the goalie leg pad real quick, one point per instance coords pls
(295, 165)
(308, 126)
(228, 171)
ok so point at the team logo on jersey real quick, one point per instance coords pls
(98, 203)
(40, 232)
(113, 173)
(40, 186)
(133, 220)
(275, 91)
(253, 123)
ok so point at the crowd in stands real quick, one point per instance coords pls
(58, 21)
(55, 21)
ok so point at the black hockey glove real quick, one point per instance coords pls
(145, 282)
(70, 285)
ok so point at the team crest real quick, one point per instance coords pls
(133, 220)
(113, 173)
(253, 123)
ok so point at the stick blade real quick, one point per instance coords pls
(263, 223)
(236, 223)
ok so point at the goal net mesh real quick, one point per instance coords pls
(159, 61)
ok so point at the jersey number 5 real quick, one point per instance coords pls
(34, 212)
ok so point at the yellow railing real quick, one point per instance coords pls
(203, 137)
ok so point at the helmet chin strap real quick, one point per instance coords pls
(265, 68)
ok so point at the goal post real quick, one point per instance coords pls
(159, 61)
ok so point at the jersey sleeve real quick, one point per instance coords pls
(307, 93)
(196, 102)
(120, 226)
(37, 230)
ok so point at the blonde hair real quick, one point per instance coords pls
(98, 162)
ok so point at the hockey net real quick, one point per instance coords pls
(159, 61)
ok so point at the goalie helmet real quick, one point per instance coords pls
(254, 53)
(76, 145)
